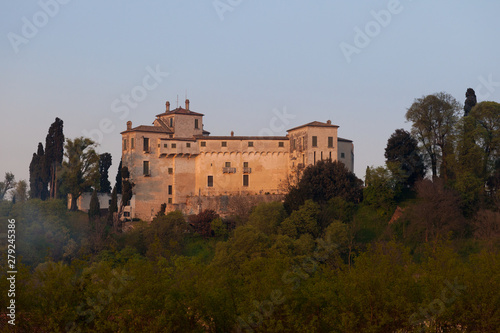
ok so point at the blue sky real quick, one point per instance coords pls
(241, 62)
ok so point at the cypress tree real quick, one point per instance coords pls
(113, 206)
(38, 186)
(54, 152)
(104, 164)
(118, 183)
(95, 208)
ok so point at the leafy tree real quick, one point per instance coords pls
(323, 181)
(266, 217)
(54, 152)
(434, 118)
(38, 186)
(402, 149)
(21, 191)
(381, 189)
(302, 221)
(486, 133)
(95, 208)
(104, 165)
(201, 222)
(8, 184)
(119, 179)
(80, 170)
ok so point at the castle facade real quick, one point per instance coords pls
(176, 162)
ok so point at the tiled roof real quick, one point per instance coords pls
(180, 110)
(313, 124)
(145, 128)
(343, 140)
(199, 137)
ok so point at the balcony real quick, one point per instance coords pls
(228, 170)
(247, 170)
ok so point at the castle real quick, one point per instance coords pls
(176, 162)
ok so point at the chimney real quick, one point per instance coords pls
(232, 133)
(187, 104)
(168, 106)
(129, 125)
(329, 122)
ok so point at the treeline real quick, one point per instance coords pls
(415, 248)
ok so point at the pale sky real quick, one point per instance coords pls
(358, 63)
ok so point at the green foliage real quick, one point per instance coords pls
(402, 151)
(266, 217)
(80, 170)
(302, 221)
(38, 184)
(323, 181)
(433, 120)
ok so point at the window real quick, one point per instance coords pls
(145, 168)
(196, 123)
(188, 145)
(315, 141)
(126, 214)
(245, 164)
(124, 144)
(170, 171)
(169, 200)
(146, 144)
(171, 122)
(224, 144)
(132, 143)
(281, 144)
(165, 145)
(250, 143)
(330, 156)
(169, 189)
(330, 142)
(173, 145)
(159, 145)
(203, 143)
(210, 181)
(245, 180)
(228, 164)
(342, 155)
(314, 158)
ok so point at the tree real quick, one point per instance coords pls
(21, 191)
(118, 182)
(80, 170)
(323, 181)
(104, 165)
(434, 118)
(486, 132)
(38, 186)
(54, 152)
(8, 184)
(201, 222)
(127, 186)
(402, 148)
(470, 101)
(113, 206)
(95, 208)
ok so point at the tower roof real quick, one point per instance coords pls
(314, 124)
